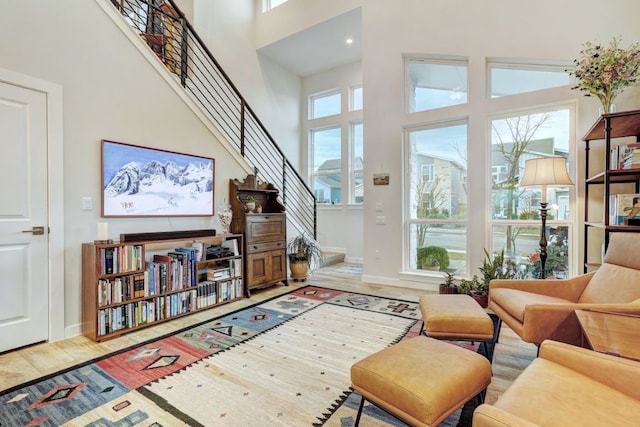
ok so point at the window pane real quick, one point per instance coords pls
(515, 140)
(525, 249)
(325, 105)
(438, 170)
(270, 4)
(446, 238)
(357, 164)
(356, 98)
(327, 163)
(510, 81)
(435, 85)
(438, 196)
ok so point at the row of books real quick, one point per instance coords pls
(624, 209)
(120, 259)
(229, 290)
(625, 156)
(130, 315)
(124, 288)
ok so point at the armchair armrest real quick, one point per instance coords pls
(568, 289)
(489, 416)
(557, 321)
(616, 372)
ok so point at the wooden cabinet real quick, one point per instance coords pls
(264, 232)
(606, 178)
(131, 285)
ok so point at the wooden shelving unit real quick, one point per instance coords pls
(264, 233)
(127, 286)
(604, 131)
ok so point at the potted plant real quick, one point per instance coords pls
(432, 258)
(491, 268)
(449, 286)
(250, 203)
(304, 254)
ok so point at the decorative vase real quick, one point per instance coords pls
(250, 206)
(224, 216)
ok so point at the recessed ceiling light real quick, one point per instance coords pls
(349, 40)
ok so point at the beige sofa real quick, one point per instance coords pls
(537, 310)
(568, 386)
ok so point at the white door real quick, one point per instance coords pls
(24, 258)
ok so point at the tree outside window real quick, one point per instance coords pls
(516, 139)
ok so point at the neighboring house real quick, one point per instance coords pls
(443, 185)
(527, 202)
(327, 183)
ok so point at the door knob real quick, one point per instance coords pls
(36, 230)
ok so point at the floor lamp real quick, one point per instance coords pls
(545, 172)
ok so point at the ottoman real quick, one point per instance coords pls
(421, 380)
(456, 317)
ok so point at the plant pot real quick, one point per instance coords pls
(250, 206)
(483, 300)
(444, 289)
(299, 270)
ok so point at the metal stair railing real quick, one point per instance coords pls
(170, 35)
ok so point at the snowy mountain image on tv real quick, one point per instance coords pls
(139, 181)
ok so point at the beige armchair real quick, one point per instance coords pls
(537, 310)
(568, 386)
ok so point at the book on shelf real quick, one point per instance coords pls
(625, 156)
(624, 208)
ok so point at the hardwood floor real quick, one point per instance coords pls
(511, 355)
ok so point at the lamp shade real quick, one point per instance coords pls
(545, 171)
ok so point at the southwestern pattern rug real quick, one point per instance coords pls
(282, 362)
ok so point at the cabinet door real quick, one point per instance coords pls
(278, 265)
(266, 227)
(257, 269)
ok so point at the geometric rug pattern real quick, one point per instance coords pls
(284, 361)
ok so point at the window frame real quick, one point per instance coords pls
(325, 94)
(436, 60)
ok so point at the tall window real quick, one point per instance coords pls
(438, 195)
(357, 163)
(437, 192)
(516, 211)
(356, 98)
(336, 146)
(327, 165)
(433, 83)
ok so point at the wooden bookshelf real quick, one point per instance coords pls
(131, 285)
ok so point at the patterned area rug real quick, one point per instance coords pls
(284, 362)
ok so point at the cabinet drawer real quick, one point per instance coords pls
(266, 227)
(265, 246)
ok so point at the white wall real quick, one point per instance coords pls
(109, 91)
(227, 27)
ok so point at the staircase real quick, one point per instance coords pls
(176, 44)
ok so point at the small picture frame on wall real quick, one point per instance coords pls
(380, 179)
(148, 182)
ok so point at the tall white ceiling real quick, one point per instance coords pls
(321, 47)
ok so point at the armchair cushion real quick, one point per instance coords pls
(568, 385)
(612, 284)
